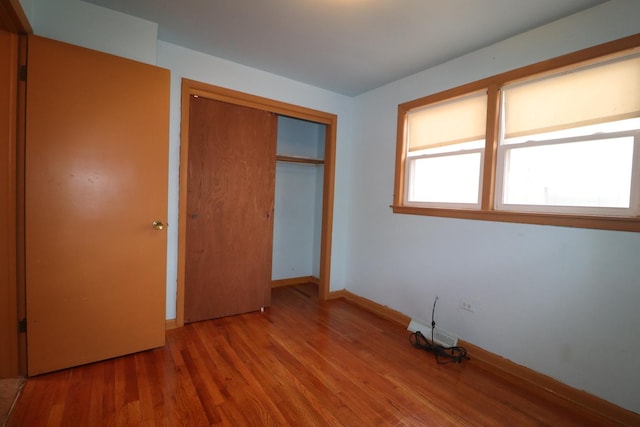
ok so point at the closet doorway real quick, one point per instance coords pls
(325, 121)
(299, 181)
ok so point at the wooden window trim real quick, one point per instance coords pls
(624, 46)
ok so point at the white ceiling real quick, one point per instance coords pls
(346, 46)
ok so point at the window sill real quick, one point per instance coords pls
(595, 222)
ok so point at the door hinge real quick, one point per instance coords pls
(22, 73)
(22, 326)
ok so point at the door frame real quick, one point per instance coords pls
(8, 214)
(13, 354)
(192, 87)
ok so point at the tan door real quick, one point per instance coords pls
(230, 192)
(96, 179)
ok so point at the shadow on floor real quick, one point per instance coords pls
(9, 390)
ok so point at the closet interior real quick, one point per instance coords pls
(297, 228)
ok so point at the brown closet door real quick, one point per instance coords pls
(230, 192)
(96, 179)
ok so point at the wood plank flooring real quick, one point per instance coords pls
(302, 362)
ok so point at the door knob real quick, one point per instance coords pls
(158, 225)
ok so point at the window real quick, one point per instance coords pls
(568, 139)
(445, 144)
(554, 143)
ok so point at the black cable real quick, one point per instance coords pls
(452, 354)
(433, 317)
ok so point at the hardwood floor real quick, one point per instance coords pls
(302, 362)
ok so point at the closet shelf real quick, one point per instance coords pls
(297, 159)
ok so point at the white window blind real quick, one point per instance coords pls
(588, 95)
(452, 122)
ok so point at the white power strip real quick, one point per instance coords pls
(440, 336)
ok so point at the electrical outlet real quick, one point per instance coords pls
(468, 305)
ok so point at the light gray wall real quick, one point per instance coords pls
(558, 300)
(94, 27)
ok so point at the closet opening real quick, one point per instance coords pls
(297, 228)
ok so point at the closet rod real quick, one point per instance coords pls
(295, 159)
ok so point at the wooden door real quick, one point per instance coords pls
(96, 180)
(230, 193)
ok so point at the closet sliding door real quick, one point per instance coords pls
(230, 188)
